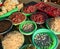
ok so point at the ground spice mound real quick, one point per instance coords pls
(4, 25)
(13, 40)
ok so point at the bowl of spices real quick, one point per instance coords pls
(54, 24)
(45, 39)
(5, 26)
(17, 18)
(28, 46)
(27, 27)
(39, 17)
(28, 10)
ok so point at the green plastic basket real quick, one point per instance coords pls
(27, 33)
(26, 14)
(51, 34)
(8, 13)
(47, 21)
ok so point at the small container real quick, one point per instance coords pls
(26, 22)
(39, 17)
(17, 18)
(51, 34)
(7, 28)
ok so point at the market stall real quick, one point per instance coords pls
(29, 24)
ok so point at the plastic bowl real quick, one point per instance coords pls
(47, 21)
(26, 14)
(51, 34)
(27, 33)
(8, 13)
(35, 19)
(9, 27)
(20, 22)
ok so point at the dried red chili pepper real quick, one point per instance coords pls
(29, 9)
(39, 17)
(50, 10)
(17, 17)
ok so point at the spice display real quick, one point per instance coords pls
(29, 9)
(50, 10)
(43, 41)
(17, 17)
(39, 17)
(28, 27)
(54, 24)
(29, 46)
(13, 40)
(5, 25)
(9, 5)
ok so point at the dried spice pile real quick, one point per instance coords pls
(28, 27)
(43, 41)
(13, 40)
